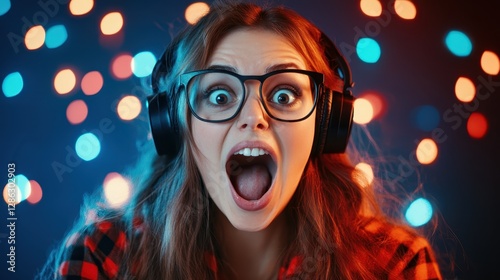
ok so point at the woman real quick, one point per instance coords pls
(247, 191)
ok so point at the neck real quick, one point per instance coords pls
(252, 255)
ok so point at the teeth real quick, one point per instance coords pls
(251, 152)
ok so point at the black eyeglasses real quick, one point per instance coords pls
(216, 95)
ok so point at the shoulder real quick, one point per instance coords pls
(95, 252)
(402, 253)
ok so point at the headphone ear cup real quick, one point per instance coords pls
(322, 121)
(164, 128)
(340, 122)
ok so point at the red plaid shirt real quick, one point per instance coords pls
(98, 255)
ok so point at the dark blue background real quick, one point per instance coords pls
(415, 69)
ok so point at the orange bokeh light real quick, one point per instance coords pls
(477, 125)
(405, 9)
(465, 90)
(371, 8)
(129, 107)
(80, 7)
(490, 63)
(77, 111)
(363, 111)
(377, 102)
(65, 81)
(35, 37)
(196, 11)
(427, 151)
(121, 67)
(111, 23)
(36, 192)
(92, 83)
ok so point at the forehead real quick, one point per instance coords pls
(252, 51)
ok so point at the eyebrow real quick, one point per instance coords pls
(282, 66)
(268, 69)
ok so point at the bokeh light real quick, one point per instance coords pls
(129, 107)
(12, 84)
(458, 43)
(36, 192)
(4, 7)
(367, 171)
(24, 186)
(377, 101)
(405, 9)
(88, 146)
(65, 81)
(368, 50)
(111, 23)
(35, 37)
(477, 125)
(419, 212)
(371, 8)
(11, 192)
(77, 111)
(427, 151)
(363, 111)
(490, 63)
(465, 90)
(143, 63)
(80, 7)
(195, 11)
(426, 117)
(116, 189)
(92, 83)
(121, 67)
(56, 36)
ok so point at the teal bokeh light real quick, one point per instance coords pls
(4, 7)
(458, 43)
(88, 146)
(24, 186)
(419, 212)
(368, 50)
(12, 84)
(56, 36)
(143, 64)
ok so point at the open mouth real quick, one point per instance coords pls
(251, 171)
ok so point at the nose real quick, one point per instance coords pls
(253, 115)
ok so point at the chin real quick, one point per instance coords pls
(251, 224)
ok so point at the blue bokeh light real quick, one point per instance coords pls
(426, 117)
(88, 146)
(56, 36)
(4, 7)
(419, 212)
(368, 50)
(458, 43)
(143, 64)
(12, 84)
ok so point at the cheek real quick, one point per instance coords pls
(297, 144)
(208, 140)
(297, 141)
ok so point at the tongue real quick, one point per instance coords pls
(252, 182)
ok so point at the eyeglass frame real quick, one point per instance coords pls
(316, 77)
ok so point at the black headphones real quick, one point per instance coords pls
(334, 109)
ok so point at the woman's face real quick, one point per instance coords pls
(252, 164)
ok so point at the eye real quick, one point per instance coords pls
(219, 96)
(283, 96)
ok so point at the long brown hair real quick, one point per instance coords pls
(327, 212)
